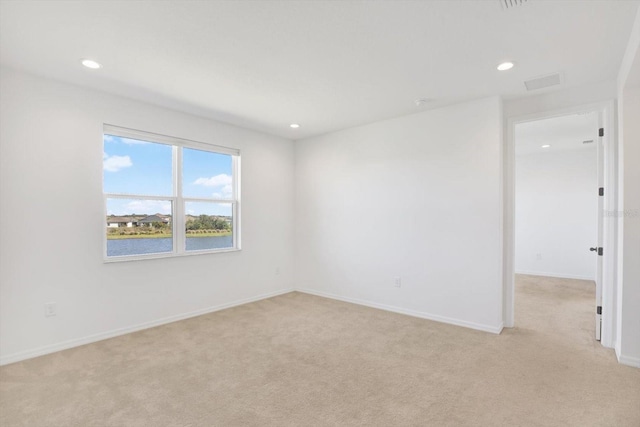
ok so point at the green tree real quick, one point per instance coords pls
(208, 222)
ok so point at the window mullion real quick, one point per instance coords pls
(178, 226)
(203, 199)
(235, 165)
(135, 196)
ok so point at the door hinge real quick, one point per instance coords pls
(601, 132)
(601, 191)
(599, 309)
(600, 251)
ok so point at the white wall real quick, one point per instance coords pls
(417, 197)
(560, 99)
(628, 339)
(629, 213)
(557, 213)
(51, 174)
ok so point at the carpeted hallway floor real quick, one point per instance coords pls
(301, 360)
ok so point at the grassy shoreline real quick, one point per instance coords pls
(163, 236)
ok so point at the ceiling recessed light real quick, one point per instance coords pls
(294, 126)
(546, 146)
(505, 66)
(89, 63)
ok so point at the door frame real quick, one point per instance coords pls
(609, 228)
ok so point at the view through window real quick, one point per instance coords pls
(163, 196)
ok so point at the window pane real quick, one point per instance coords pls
(208, 226)
(206, 175)
(138, 227)
(131, 166)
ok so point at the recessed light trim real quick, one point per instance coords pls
(506, 66)
(294, 126)
(546, 146)
(90, 63)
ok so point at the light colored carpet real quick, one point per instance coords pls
(301, 360)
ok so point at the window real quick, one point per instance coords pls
(165, 196)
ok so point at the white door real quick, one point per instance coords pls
(599, 250)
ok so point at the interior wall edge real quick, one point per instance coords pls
(494, 329)
(629, 360)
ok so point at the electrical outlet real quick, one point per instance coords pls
(277, 271)
(50, 309)
(538, 256)
(397, 282)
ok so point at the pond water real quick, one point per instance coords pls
(124, 247)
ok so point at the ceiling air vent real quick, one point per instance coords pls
(509, 4)
(543, 81)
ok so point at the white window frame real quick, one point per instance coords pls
(178, 201)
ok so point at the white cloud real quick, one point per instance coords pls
(215, 181)
(148, 207)
(115, 163)
(225, 193)
(222, 183)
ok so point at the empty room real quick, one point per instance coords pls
(319, 213)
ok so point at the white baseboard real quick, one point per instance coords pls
(559, 276)
(628, 360)
(52, 348)
(480, 327)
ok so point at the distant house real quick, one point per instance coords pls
(148, 220)
(120, 221)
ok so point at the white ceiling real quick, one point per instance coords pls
(562, 133)
(327, 65)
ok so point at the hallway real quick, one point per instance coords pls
(560, 308)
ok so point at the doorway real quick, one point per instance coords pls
(557, 224)
(607, 232)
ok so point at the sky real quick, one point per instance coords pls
(142, 168)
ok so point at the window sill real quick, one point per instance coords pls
(116, 259)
